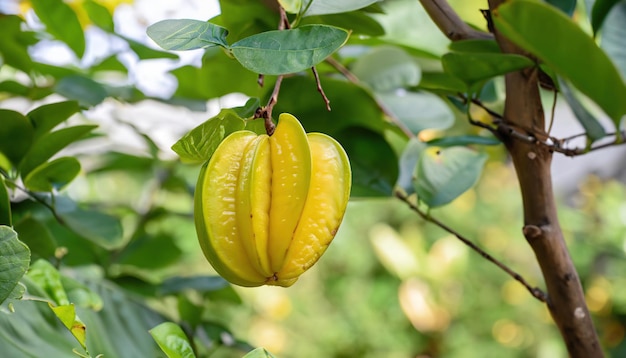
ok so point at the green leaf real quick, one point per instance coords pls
(442, 175)
(475, 46)
(613, 39)
(81, 295)
(202, 284)
(150, 252)
(146, 53)
(599, 12)
(37, 236)
(61, 21)
(419, 110)
(373, 162)
(549, 34)
(67, 315)
(288, 51)
(198, 145)
(16, 135)
(172, 340)
(14, 43)
(451, 141)
(593, 128)
(45, 118)
(218, 76)
(442, 82)
(5, 204)
(15, 258)
(408, 161)
(244, 18)
(291, 6)
(48, 278)
(187, 34)
(567, 6)
(387, 68)
(259, 353)
(100, 228)
(99, 15)
(53, 175)
(86, 91)
(51, 143)
(321, 7)
(357, 22)
(474, 68)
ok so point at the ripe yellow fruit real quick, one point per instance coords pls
(267, 207)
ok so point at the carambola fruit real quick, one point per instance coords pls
(267, 207)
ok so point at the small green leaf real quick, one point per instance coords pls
(408, 160)
(288, 51)
(16, 135)
(146, 53)
(593, 128)
(474, 68)
(86, 91)
(51, 143)
(321, 7)
(48, 278)
(291, 6)
(67, 315)
(548, 34)
(37, 236)
(13, 43)
(5, 204)
(442, 175)
(81, 295)
(187, 34)
(45, 118)
(387, 68)
(198, 145)
(442, 82)
(451, 141)
(259, 353)
(201, 284)
(357, 22)
(99, 15)
(600, 11)
(15, 257)
(419, 110)
(61, 21)
(172, 340)
(248, 109)
(53, 175)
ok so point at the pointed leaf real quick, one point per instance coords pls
(387, 68)
(451, 141)
(288, 51)
(61, 21)
(99, 15)
(419, 111)
(549, 34)
(67, 315)
(85, 90)
(321, 7)
(442, 175)
(48, 278)
(53, 175)
(613, 39)
(15, 257)
(16, 135)
(473, 68)
(198, 145)
(5, 204)
(408, 161)
(187, 34)
(172, 340)
(45, 118)
(50, 144)
(13, 48)
(259, 353)
(600, 11)
(475, 46)
(593, 128)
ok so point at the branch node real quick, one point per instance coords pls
(532, 232)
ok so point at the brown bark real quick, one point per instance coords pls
(524, 112)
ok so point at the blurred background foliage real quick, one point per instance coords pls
(119, 241)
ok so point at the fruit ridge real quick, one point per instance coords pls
(267, 207)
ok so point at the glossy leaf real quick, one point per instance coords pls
(613, 39)
(442, 82)
(37, 236)
(86, 91)
(419, 110)
(53, 175)
(593, 128)
(387, 68)
(567, 6)
(99, 15)
(473, 68)
(5, 204)
(321, 7)
(198, 145)
(548, 33)
(45, 118)
(61, 21)
(51, 143)
(357, 22)
(599, 12)
(172, 340)
(288, 51)
(408, 161)
(187, 34)
(442, 175)
(15, 257)
(13, 48)
(16, 135)
(451, 141)
(259, 353)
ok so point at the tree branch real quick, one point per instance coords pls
(450, 23)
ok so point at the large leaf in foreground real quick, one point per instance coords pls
(562, 44)
(14, 259)
(289, 51)
(187, 34)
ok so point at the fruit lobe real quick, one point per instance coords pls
(267, 207)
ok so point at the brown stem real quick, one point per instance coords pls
(535, 291)
(450, 23)
(320, 89)
(566, 300)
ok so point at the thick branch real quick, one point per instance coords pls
(566, 300)
(450, 23)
